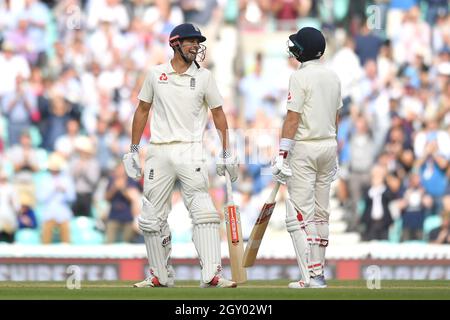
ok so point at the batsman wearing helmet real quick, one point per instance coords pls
(307, 159)
(181, 93)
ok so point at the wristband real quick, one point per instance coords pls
(134, 148)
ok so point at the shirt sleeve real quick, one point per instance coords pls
(296, 96)
(213, 99)
(146, 93)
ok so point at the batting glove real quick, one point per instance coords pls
(229, 163)
(132, 163)
(280, 165)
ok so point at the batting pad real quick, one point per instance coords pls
(157, 255)
(323, 230)
(206, 239)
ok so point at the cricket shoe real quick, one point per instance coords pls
(317, 282)
(153, 281)
(218, 282)
(298, 285)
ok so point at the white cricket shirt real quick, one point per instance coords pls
(180, 102)
(315, 93)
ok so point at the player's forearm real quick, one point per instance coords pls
(139, 122)
(290, 125)
(220, 121)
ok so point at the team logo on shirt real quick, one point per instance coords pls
(163, 78)
(151, 174)
(192, 83)
(289, 96)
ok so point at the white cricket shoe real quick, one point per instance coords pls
(318, 282)
(298, 285)
(219, 282)
(152, 281)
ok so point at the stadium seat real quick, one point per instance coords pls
(79, 224)
(429, 224)
(87, 237)
(27, 236)
(395, 231)
(82, 231)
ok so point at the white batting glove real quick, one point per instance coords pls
(229, 163)
(280, 167)
(132, 164)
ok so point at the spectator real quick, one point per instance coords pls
(20, 107)
(85, 171)
(287, 12)
(65, 144)
(38, 15)
(103, 141)
(21, 39)
(362, 158)
(26, 217)
(441, 235)
(122, 192)
(9, 208)
(59, 115)
(25, 160)
(436, 8)
(433, 154)
(12, 65)
(367, 45)
(377, 216)
(412, 37)
(113, 9)
(257, 92)
(413, 205)
(56, 199)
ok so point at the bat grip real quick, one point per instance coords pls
(229, 188)
(275, 191)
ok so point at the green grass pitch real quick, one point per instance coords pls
(252, 290)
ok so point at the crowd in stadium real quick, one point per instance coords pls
(71, 72)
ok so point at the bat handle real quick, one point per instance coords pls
(229, 188)
(275, 191)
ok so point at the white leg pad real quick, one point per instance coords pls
(157, 241)
(323, 231)
(206, 238)
(314, 264)
(157, 256)
(299, 240)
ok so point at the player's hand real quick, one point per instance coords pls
(280, 168)
(229, 163)
(132, 165)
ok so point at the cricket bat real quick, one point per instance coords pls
(254, 242)
(234, 236)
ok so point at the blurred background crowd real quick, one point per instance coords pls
(71, 71)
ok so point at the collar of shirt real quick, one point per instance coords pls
(191, 71)
(308, 63)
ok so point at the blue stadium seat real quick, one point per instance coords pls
(27, 236)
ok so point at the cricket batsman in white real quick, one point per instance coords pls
(307, 159)
(181, 93)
